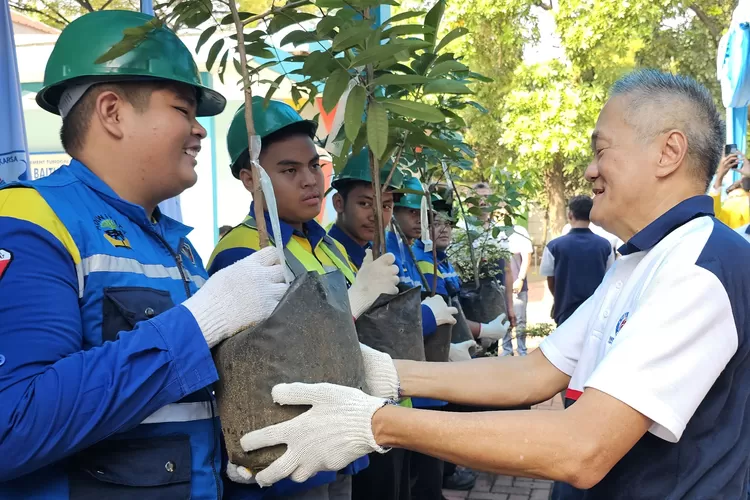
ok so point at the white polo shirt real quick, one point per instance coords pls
(667, 333)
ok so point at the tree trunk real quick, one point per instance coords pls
(555, 186)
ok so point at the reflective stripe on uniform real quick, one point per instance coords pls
(109, 263)
(183, 412)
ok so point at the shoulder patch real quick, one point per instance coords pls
(6, 257)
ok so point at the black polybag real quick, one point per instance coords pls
(310, 337)
(393, 324)
(437, 347)
(461, 330)
(485, 303)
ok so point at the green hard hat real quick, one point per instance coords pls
(411, 200)
(357, 168)
(267, 120)
(162, 55)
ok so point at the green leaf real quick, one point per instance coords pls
(272, 90)
(296, 95)
(327, 24)
(446, 67)
(445, 86)
(394, 79)
(334, 87)
(259, 49)
(237, 66)
(286, 18)
(432, 19)
(355, 107)
(213, 53)
(377, 128)
(478, 106)
(480, 77)
(204, 37)
(331, 4)
(121, 48)
(453, 35)
(298, 37)
(350, 37)
(376, 54)
(406, 29)
(361, 140)
(229, 19)
(258, 69)
(450, 114)
(403, 16)
(412, 109)
(223, 65)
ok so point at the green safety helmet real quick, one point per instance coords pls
(161, 56)
(357, 168)
(411, 200)
(267, 120)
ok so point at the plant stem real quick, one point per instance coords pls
(474, 263)
(431, 219)
(395, 163)
(260, 220)
(379, 243)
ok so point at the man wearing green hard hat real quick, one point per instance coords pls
(106, 387)
(354, 200)
(290, 158)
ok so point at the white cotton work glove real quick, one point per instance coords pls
(239, 474)
(443, 312)
(373, 279)
(460, 351)
(380, 373)
(238, 296)
(334, 432)
(495, 329)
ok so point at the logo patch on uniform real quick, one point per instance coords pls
(187, 251)
(620, 323)
(6, 257)
(112, 231)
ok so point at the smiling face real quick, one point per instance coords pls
(355, 211)
(166, 137)
(622, 171)
(293, 164)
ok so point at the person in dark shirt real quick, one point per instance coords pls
(575, 263)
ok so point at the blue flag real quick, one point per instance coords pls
(14, 153)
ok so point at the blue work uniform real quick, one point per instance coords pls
(354, 250)
(104, 378)
(243, 241)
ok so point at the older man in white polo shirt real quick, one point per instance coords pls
(658, 358)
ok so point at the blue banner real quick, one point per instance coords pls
(14, 153)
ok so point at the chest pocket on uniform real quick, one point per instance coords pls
(124, 307)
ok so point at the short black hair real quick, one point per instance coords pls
(685, 105)
(580, 207)
(76, 123)
(295, 129)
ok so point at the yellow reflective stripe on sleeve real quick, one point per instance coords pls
(428, 268)
(239, 237)
(28, 205)
(345, 266)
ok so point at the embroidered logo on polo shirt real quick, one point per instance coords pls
(620, 323)
(6, 257)
(112, 231)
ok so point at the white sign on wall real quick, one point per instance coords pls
(43, 164)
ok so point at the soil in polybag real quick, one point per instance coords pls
(393, 324)
(485, 303)
(437, 347)
(310, 337)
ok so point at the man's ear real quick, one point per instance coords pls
(338, 203)
(674, 148)
(108, 111)
(246, 176)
